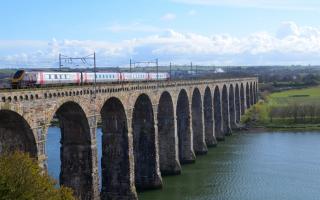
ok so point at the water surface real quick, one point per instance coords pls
(264, 166)
(261, 166)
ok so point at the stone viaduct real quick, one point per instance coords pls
(149, 129)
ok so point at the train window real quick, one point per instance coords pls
(49, 76)
(60, 76)
(65, 76)
(55, 76)
(18, 74)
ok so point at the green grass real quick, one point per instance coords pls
(308, 95)
(258, 115)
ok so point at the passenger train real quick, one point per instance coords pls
(22, 78)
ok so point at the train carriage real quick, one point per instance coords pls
(135, 76)
(158, 76)
(47, 78)
(101, 77)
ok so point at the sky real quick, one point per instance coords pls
(205, 32)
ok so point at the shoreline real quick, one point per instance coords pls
(254, 130)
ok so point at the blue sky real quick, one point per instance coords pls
(213, 32)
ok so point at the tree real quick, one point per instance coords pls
(21, 178)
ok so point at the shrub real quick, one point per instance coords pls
(21, 178)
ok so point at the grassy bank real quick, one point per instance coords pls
(292, 109)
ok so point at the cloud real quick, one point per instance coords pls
(265, 4)
(288, 28)
(168, 17)
(292, 44)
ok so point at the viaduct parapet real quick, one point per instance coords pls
(149, 129)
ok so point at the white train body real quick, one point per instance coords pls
(51, 78)
(161, 76)
(135, 76)
(24, 79)
(102, 77)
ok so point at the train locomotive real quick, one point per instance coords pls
(24, 79)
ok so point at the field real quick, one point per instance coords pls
(309, 96)
(289, 109)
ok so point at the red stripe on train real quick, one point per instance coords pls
(78, 78)
(41, 78)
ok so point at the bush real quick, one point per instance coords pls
(21, 178)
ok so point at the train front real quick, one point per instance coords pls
(17, 78)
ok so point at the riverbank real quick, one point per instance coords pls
(297, 109)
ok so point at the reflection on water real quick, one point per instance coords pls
(262, 166)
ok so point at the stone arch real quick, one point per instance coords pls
(237, 104)
(168, 155)
(242, 99)
(217, 114)
(144, 144)
(251, 94)
(225, 111)
(248, 95)
(115, 161)
(232, 108)
(208, 118)
(76, 157)
(186, 153)
(199, 145)
(16, 134)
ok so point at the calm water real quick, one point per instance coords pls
(262, 166)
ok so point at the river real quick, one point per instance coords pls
(264, 166)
